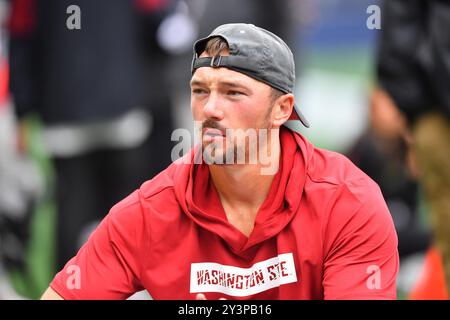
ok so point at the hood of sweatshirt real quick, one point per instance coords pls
(200, 200)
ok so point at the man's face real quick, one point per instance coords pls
(224, 99)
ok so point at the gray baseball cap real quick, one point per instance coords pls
(257, 53)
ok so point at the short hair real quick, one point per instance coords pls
(216, 45)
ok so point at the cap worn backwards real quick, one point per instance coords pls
(255, 52)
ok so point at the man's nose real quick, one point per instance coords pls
(212, 108)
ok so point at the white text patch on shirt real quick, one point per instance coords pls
(239, 282)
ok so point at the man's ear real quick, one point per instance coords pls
(282, 109)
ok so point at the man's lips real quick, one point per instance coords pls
(212, 132)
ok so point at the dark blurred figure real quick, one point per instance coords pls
(269, 14)
(414, 70)
(101, 95)
(382, 153)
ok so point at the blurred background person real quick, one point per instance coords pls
(413, 69)
(382, 153)
(20, 182)
(99, 91)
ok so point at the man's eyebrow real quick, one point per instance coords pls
(231, 84)
(197, 83)
(227, 83)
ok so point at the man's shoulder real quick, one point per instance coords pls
(346, 197)
(160, 185)
(332, 176)
(335, 169)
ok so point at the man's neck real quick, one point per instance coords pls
(242, 190)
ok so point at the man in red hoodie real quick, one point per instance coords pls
(314, 228)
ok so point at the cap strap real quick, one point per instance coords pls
(222, 61)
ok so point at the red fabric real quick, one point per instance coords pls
(22, 18)
(151, 5)
(4, 76)
(322, 230)
(431, 283)
(294, 116)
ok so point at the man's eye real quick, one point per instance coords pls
(198, 91)
(235, 93)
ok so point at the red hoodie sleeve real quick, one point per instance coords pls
(108, 266)
(361, 260)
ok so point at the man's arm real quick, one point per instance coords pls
(361, 260)
(108, 266)
(51, 294)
